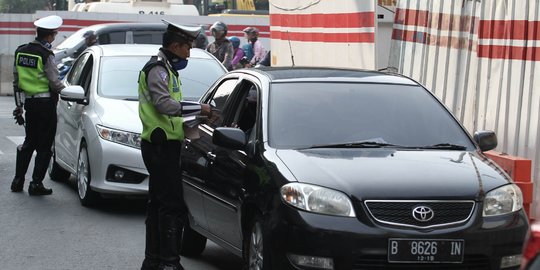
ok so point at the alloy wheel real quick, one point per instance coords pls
(82, 174)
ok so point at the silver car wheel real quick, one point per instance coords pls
(256, 248)
(82, 173)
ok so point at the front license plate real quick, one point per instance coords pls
(425, 250)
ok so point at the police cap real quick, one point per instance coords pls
(51, 22)
(189, 33)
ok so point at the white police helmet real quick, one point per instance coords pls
(188, 32)
(51, 22)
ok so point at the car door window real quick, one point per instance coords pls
(77, 69)
(86, 77)
(218, 101)
(245, 108)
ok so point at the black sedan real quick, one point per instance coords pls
(318, 168)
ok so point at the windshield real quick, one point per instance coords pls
(73, 40)
(119, 75)
(303, 115)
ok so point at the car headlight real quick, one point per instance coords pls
(317, 199)
(503, 200)
(118, 136)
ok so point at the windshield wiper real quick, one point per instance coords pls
(445, 146)
(131, 99)
(364, 144)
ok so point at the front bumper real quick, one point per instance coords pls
(360, 243)
(104, 155)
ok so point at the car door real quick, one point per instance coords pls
(69, 113)
(224, 184)
(194, 155)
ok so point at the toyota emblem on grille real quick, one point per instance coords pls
(423, 213)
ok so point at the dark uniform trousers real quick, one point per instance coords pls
(165, 208)
(40, 130)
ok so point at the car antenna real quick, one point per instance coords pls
(290, 48)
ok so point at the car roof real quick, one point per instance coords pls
(141, 49)
(325, 74)
(126, 26)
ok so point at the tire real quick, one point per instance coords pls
(256, 247)
(56, 173)
(87, 196)
(192, 243)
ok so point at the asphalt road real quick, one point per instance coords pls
(55, 232)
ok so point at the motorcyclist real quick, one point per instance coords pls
(252, 35)
(221, 48)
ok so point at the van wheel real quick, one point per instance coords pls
(192, 242)
(56, 173)
(256, 247)
(87, 196)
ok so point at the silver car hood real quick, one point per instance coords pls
(119, 114)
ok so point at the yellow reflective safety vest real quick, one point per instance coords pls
(150, 117)
(30, 60)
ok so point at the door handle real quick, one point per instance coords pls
(211, 156)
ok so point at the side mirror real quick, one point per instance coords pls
(73, 93)
(232, 138)
(487, 140)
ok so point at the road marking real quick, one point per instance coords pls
(4, 114)
(16, 139)
(1, 153)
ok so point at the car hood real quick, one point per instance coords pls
(119, 114)
(390, 174)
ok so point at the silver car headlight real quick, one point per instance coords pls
(503, 200)
(317, 199)
(118, 136)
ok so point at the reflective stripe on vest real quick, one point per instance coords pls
(151, 119)
(30, 69)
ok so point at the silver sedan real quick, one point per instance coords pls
(98, 132)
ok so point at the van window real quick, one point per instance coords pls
(147, 37)
(113, 38)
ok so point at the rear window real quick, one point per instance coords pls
(112, 38)
(148, 37)
(307, 114)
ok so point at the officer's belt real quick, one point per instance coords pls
(40, 95)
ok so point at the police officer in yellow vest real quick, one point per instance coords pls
(161, 109)
(36, 87)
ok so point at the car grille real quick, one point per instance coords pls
(380, 262)
(400, 213)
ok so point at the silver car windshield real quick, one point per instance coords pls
(304, 115)
(119, 76)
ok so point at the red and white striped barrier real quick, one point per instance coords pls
(323, 33)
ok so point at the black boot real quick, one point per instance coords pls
(37, 188)
(151, 251)
(42, 160)
(21, 166)
(17, 184)
(169, 235)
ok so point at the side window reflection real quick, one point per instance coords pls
(219, 102)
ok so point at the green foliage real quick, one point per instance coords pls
(30, 6)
